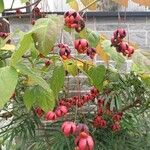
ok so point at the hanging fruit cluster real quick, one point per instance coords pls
(64, 51)
(104, 118)
(74, 20)
(65, 104)
(83, 140)
(82, 46)
(112, 120)
(121, 46)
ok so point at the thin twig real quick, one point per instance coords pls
(12, 4)
(32, 4)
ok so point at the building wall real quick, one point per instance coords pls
(138, 29)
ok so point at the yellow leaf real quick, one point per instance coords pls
(101, 53)
(74, 5)
(87, 2)
(142, 2)
(8, 47)
(122, 2)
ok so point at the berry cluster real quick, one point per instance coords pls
(64, 51)
(79, 102)
(83, 140)
(36, 12)
(59, 112)
(121, 46)
(82, 46)
(65, 104)
(74, 20)
(113, 118)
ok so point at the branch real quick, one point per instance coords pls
(89, 5)
(32, 4)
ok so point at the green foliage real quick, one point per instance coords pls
(8, 82)
(23, 69)
(37, 83)
(45, 33)
(1, 6)
(141, 63)
(71, 67)
(91, 36)
(96, 76)
(57, 80)
(37, 95)
(22, 47)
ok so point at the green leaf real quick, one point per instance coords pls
(97, 75)
(21, 68)
(57, 80)
(46, 32)
(71, 67)
(22, 47)
(1, 6)
(24, 1)
(38, 95)
(111, 51)
(29, 97)
(91, 36)
(8, 82)
(146, 79)
(140, 62)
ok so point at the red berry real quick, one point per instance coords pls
(121, 33)
(61, 111)
(39, 111)
(81, 45)
(82, 128)
(50, 116)
(33, 22)
(47, 63)
(117, 117)
(18, 11)
(103, 123)
(124, 46)
(74, 20)
(68, 128)
(84, 143)
(101, 102)
(100, 111)
(64, 51)
(91, 52)
(116, 127)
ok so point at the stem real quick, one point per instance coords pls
(88, 5)
(12, 4)
(35, 3)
